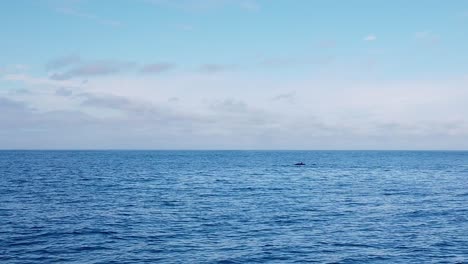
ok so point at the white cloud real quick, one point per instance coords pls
(370, 37)
(236, 111)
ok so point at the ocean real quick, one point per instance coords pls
(233, 207)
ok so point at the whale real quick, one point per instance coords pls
(300, 164)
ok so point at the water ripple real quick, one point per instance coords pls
(233, 207)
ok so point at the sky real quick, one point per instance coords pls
(234, 74)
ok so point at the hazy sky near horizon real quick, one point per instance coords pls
(234, 74)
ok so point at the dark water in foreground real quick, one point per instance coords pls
(233, 207)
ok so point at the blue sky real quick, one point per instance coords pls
(235, 74)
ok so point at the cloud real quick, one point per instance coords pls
(289, 97)
(236, 120)
(38, 81)
(427, 36)
(215, 68)
(63, 92)
(74, 12)
(370, 37)
(249, 5)
(24, 127)
(91, 69)
(136, 109)
(14, 68)
(8, 105)
(239, 110)
(230, 123)
(157, 68)
(105, 101)
(19, 91)
(207, 5)
(190, 5)
(295, 62)
(229, 105)
(173, 99)
(63, 62)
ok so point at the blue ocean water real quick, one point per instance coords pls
(233, 207)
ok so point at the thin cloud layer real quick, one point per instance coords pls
(207, 5)
(427, 36)
(157, 68)
(289, 97)
(92, 69)
(215, 68)
(285, 62)
(63, 92)
(105, 101)
(370, 37)
(92, 17)
(230, 123)
(64, 62)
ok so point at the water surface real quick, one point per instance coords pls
(233, 207)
